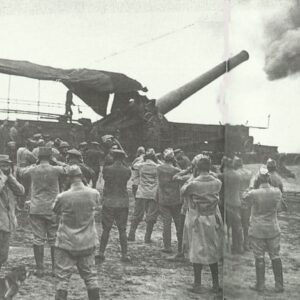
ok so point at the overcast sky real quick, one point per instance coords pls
(82, 34)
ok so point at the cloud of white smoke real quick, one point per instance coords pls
(283, 43)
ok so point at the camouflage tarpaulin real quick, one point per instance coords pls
(92, 86)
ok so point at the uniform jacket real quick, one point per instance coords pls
(8, 184)
(93, 158)
(25, 157)
(44, 186)
(168, 189)
(147, 188)
(276, 180)
(264, 203)
(184, 162)
(115, 178)
(135, 178)
(76, 208)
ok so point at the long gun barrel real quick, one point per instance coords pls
(171, 100)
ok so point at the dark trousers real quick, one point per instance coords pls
(233, 220)
(245, 218)
(142, 206)
(109, 216)
(4, 246)
(95, 178)
(169, 213)
(134, 189)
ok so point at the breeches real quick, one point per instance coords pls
(142, 206)
(44, 228)
(65, 261)
(260, 246)
(114, 214)
(168, 213)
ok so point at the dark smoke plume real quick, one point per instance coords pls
(283, 44)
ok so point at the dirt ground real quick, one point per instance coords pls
(148, 276)
(151, 276)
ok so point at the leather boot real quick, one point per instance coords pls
(167, 238)
(61, 295)
(123, 243)
(38, 252)
(94, 294)
(131, 235)
(215, 277)
(103, 243)
(52, 250)
(278, 275)
(196, 289)
(260, 275)
(149, 229)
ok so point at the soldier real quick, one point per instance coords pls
(232, 182)
(94, 157)
(245, 176)
(275, 179)
(74, 157)
(25, 158)
(82, 148)
(182, 160)
(146, 197)
(203, 232)
(12, 151)
(39, 143)
(264, 231)
(135, 172)
(44, 189)
(169, 199)
(63, 151)
(14, 133)
(7, 205)
(48, 140)
(116, 203)
(4, 136)
(68, 105)
(182, 177)
(25, 133)
(76, 239)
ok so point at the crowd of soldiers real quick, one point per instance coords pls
(61, 186)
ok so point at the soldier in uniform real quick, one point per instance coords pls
(245, 176)
(169, 199)
(69, 103)
(44, 189)
(264, 231)
(203, 231)
(7, 205)
(63, 151)
(135, 172)
(94, 157)
(116, 203)
(146, 195)
(232, 182)
(77, 238)
(82, 148)
(182, 160)
(74, 157)
(25, 158)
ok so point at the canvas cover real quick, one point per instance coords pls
(92, 86)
